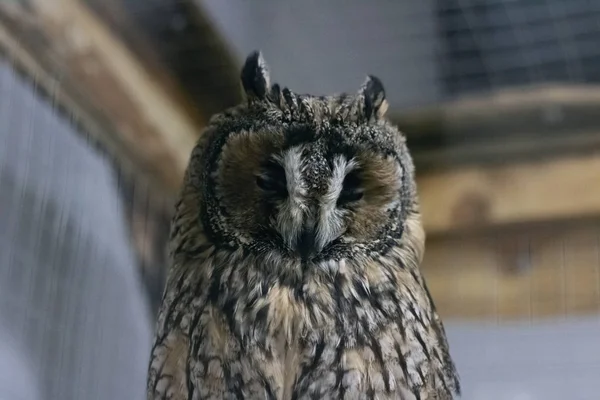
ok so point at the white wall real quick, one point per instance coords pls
(550, 360)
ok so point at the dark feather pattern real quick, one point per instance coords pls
(253, 309)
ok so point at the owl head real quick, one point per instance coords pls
(305, 177)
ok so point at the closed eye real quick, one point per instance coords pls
(272, 179)
(351, 189)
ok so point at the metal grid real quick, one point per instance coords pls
(492, 44)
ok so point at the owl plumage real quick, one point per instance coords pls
(295, 251)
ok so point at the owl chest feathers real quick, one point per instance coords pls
(359, 319)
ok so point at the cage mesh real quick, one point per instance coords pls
(491, 44)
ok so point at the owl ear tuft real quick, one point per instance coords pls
(255, 76)
(373, 95)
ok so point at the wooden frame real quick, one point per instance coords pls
(65, 45)
(480, 197)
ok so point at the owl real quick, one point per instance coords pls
(295, 249)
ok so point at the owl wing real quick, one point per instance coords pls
(167, 374)
(195, 354)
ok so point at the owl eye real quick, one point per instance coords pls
(272, 179)
(351, 190)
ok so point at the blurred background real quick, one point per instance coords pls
(101, 102)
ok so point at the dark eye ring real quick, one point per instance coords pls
(349, 197)
(351, 189)
(272, 179)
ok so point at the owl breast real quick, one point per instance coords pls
(344, 329)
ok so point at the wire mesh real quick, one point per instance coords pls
(491, 44)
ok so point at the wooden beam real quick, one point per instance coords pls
(185, 41)
(553, 107)
(494, 150)
(118, 17)
(69, 47)
(523, 123)
(474, 197)
(527, 275)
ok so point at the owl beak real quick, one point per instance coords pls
(307, 243)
